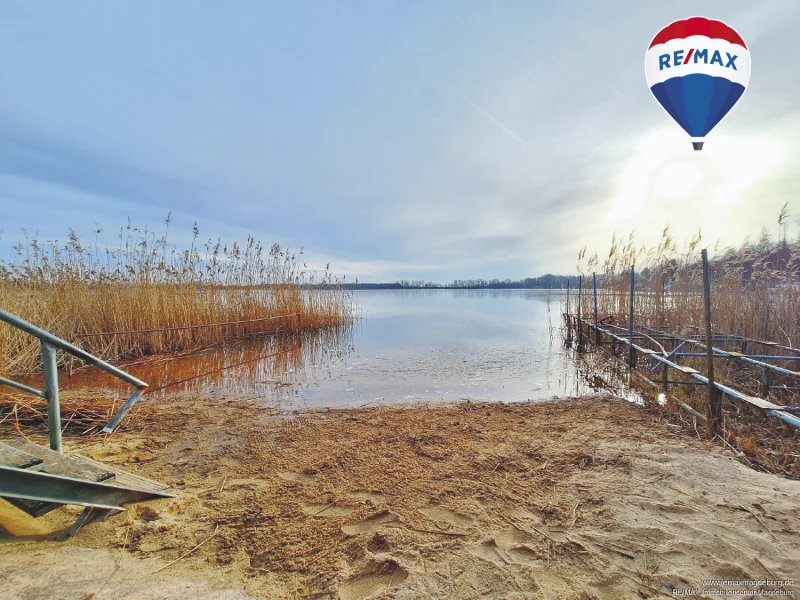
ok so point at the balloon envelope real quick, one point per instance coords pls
(697, 69)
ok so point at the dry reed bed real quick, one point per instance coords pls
(755, 294)
(147, 283)
(756, 287)
(763, 443)
(83, 414)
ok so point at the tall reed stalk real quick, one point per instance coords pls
(75, 289)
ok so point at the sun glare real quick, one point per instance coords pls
(676, 179)
(666, 173)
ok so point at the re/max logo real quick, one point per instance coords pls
(678, 59)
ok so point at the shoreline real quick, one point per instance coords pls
(583, 498)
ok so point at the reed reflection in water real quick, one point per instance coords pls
(268, 368)
(428, 345)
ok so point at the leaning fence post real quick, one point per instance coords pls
(49, 359)
(714, 396)
(596, 328)
(631, 351)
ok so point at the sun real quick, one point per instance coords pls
(666, 173)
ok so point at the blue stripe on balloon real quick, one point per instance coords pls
(723, 100)
(673, 90)
(697, 102)
(697, 91)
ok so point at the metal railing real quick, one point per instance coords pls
(709, 342)
(51, 343)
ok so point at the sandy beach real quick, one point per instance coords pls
(567, 499)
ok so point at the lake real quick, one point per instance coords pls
(407, 345)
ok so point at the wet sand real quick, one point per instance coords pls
(572, 499)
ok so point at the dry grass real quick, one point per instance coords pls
(755, 294)
(83, 413)
(764, 444)
(148, 283)
(755, 287)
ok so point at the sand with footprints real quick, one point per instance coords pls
(569, 499)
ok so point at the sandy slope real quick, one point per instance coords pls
(575, 499)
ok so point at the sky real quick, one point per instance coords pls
(395, 139)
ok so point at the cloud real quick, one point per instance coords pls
(395, 140)
(31, 157)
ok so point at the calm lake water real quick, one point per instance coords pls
(408, 345)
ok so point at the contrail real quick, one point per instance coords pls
(452, 90)
(449, 88)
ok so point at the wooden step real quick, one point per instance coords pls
(126, 478)
(49, 461)
(64, 464)
(24, 484)
(27, 456)
(14, 457)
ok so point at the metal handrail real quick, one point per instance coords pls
(773, 410)
(50, 343)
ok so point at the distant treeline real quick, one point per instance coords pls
(544, 282)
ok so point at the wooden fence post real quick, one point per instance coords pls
(714, 395)
(631, 351)
(580, 299)
(596, 327)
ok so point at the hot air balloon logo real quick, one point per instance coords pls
(697, 69)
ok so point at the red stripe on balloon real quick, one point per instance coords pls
(697, 26)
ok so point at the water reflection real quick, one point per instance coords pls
(501, 345)
(266, 367)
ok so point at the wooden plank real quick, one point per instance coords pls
(77, 463)
(14, 457)
(128, 479)
(46, 487)
(63, 464)
(761, 403)
(19, 459)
